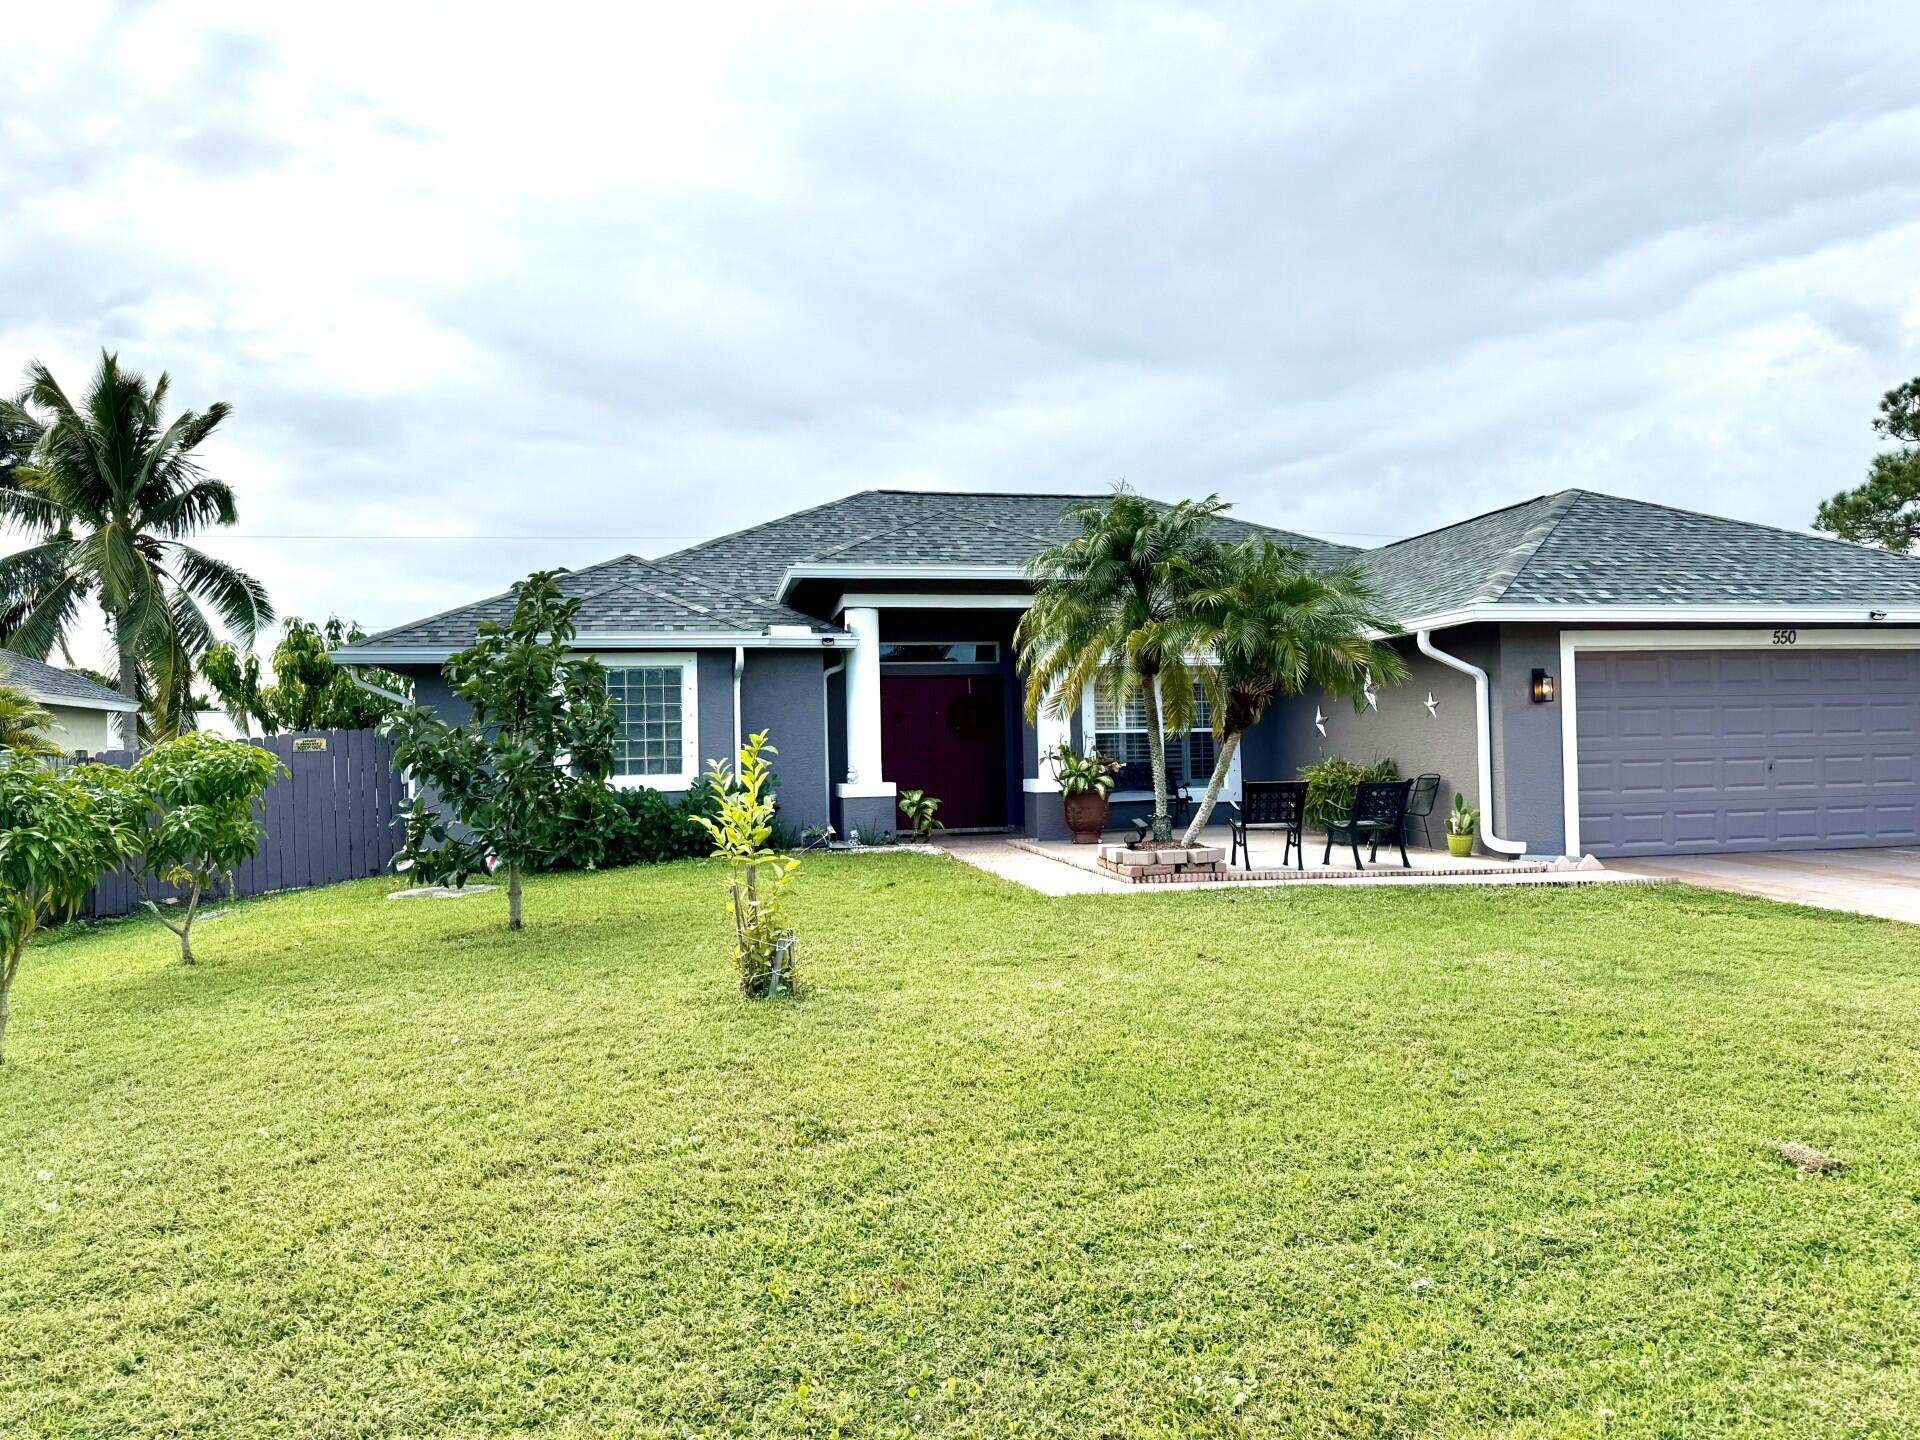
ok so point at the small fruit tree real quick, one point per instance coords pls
(526, 777)
(60, 831)
(758, 877)
(193, 799)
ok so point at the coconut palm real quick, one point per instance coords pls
(1272, 626)
(111, 491)
(1101, 605)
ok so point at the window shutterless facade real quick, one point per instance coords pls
(1122, 734)
(656, 718)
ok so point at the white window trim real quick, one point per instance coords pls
(1567, 690)
(1229, 788)
(689, 663)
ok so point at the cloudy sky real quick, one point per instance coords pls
(575, 281)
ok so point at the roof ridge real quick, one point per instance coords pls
(1852, 546)
(1521, 553)
(765, 524)
(506, 594)
(1469, 520)
(658, 594)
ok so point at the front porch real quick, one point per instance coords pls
(1058, 867)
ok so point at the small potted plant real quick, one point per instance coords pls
(1085, 783)
(918, 807)
(1460, 827)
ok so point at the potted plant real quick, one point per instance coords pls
(1460, 827)
(918, 807)
(1085, 783)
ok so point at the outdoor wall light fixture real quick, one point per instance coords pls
(1876, 614)
(1542, 688)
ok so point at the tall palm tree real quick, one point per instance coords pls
(111, 491)
(1272, 626)
(1101, 605)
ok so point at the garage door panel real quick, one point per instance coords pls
(1704, 750)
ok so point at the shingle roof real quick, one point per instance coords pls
(51, 685)
(906, 527)
(1579, 547)
(625, 595)
(1575, 547)
(729, 584)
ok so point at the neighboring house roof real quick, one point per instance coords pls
(1579, 548)
(51, 685)
(622, 598)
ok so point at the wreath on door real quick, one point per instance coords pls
(969, 717)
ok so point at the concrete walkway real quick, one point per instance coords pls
(1061, 868)
(1866, 882)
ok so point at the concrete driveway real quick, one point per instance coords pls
(1868, 882)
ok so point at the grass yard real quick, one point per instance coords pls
(1325, 1162)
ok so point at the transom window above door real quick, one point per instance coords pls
(655, 717)
(940, 652)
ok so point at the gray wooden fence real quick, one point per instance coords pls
(335, 816)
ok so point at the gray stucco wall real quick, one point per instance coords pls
(1400, 728)
(782, 692)
(1527, 778)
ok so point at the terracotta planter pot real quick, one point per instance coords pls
(1459, 846)
(1086, 816)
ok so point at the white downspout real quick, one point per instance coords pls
(1483, 748)
(826, 726)
(739, 665)
(380, 690)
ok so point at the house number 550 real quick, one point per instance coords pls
(1785, 637)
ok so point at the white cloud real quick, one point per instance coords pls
(644, 273)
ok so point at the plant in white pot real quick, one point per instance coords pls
(1086, 782)
(1461, 823)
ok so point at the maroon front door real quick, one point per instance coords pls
(947, 735)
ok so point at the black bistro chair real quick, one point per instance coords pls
(1426, 790)
(1269, 805)
(1379, 813)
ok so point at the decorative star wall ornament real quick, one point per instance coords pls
(1373, 696)
(1319, 720)
(1433, 706)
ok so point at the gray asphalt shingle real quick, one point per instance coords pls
(1580, 547)
(49, 683)
(1575, 547)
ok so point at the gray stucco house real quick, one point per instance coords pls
(1598, 675)
(87, 716)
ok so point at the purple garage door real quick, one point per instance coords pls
(1698, 751)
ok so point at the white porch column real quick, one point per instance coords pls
(1052, 731)
(864, 773)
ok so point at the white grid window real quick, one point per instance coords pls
(1123, 735)
(654, 720)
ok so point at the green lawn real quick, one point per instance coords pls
(1320, 1162)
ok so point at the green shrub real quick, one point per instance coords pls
(642, 827)
(1331, 784)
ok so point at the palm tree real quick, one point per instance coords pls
(111, 491)
(23, 723)
(1101, 604)
(1274, 627)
